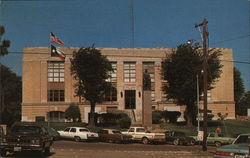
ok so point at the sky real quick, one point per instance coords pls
(126, 23)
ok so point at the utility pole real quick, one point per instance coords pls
(204, 37)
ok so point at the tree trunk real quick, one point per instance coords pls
(92, 115)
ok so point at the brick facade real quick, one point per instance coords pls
(35, 83)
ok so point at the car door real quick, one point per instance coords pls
(72, 132)
(65, 133)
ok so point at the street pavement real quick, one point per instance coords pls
(71, 149)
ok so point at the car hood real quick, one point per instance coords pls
(235, 148)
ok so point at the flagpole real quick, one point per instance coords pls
(48, 89)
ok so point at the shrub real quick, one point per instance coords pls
(125, 122)
(156, 116)
(171, 116)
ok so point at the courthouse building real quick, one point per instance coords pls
(48, 86)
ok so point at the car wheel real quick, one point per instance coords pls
(47, 151)
(77, 139)
(217, 144)
(145, 140)
(176, 142)
(3, 153)
(192, 142)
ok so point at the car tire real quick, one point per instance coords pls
(3, 153)
(47, 151)
(217, 144)
(176, 142)
(192, 142)
(145, 140)
(77, 138)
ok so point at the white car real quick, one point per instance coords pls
(78, 134)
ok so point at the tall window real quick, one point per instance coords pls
(111, 93)
(55, 81)
(56, 71)
(55, 95)
(150, 68)
(113, 74)
(129, 72)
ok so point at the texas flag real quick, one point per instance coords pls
(55, 39)
(57, 53)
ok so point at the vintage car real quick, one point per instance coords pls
(78, 134)
(55, 135)
(178, 138)
(26, 137)
(238, 149)
(140, 134)
(216, 139)
(113, 135)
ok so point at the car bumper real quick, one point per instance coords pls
(19, 148)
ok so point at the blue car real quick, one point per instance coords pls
(238, 149)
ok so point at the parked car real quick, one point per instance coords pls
(178, 138)
(238, 149)
(78, 134)
(142, 135)
(113, 135)
(55, 135)
(216, 139)
(26, 137)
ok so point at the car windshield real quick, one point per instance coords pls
(140, 130)
(26, 129)
(179, 134)
(116, 132)
(242, 139)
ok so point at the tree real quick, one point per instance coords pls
(244, 103)
(146, 81)
(180, 69)
(10, 96)
(91, 69)
(73, 113)
(4, 44)
(238, 90)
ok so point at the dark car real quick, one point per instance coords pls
(25, 137)
(112, 135)
(178, 138)
(55, 135)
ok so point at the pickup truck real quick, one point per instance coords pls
(144, 136)
(217, 139)
(25, 137)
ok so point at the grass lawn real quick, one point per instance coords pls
(229, 127)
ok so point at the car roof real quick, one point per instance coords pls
(245, 134)
(78, 127)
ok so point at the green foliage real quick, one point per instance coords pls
(180, 70)
(238, 91)
(125, 122)
(171, 116)
(115, 119)
(244, 104)
(90, 69)
(156, 116)
(73, 113)
(10, 96)
(4, 44)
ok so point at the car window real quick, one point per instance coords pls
(131, 130)
(104, 131)
(73, 130)
(67, 130)
(140, 130)
(179, 134)
(26, 129)
(211, 135)
(116, 132)
(83, 130)
(242, 139)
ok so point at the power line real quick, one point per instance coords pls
(230, 39)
